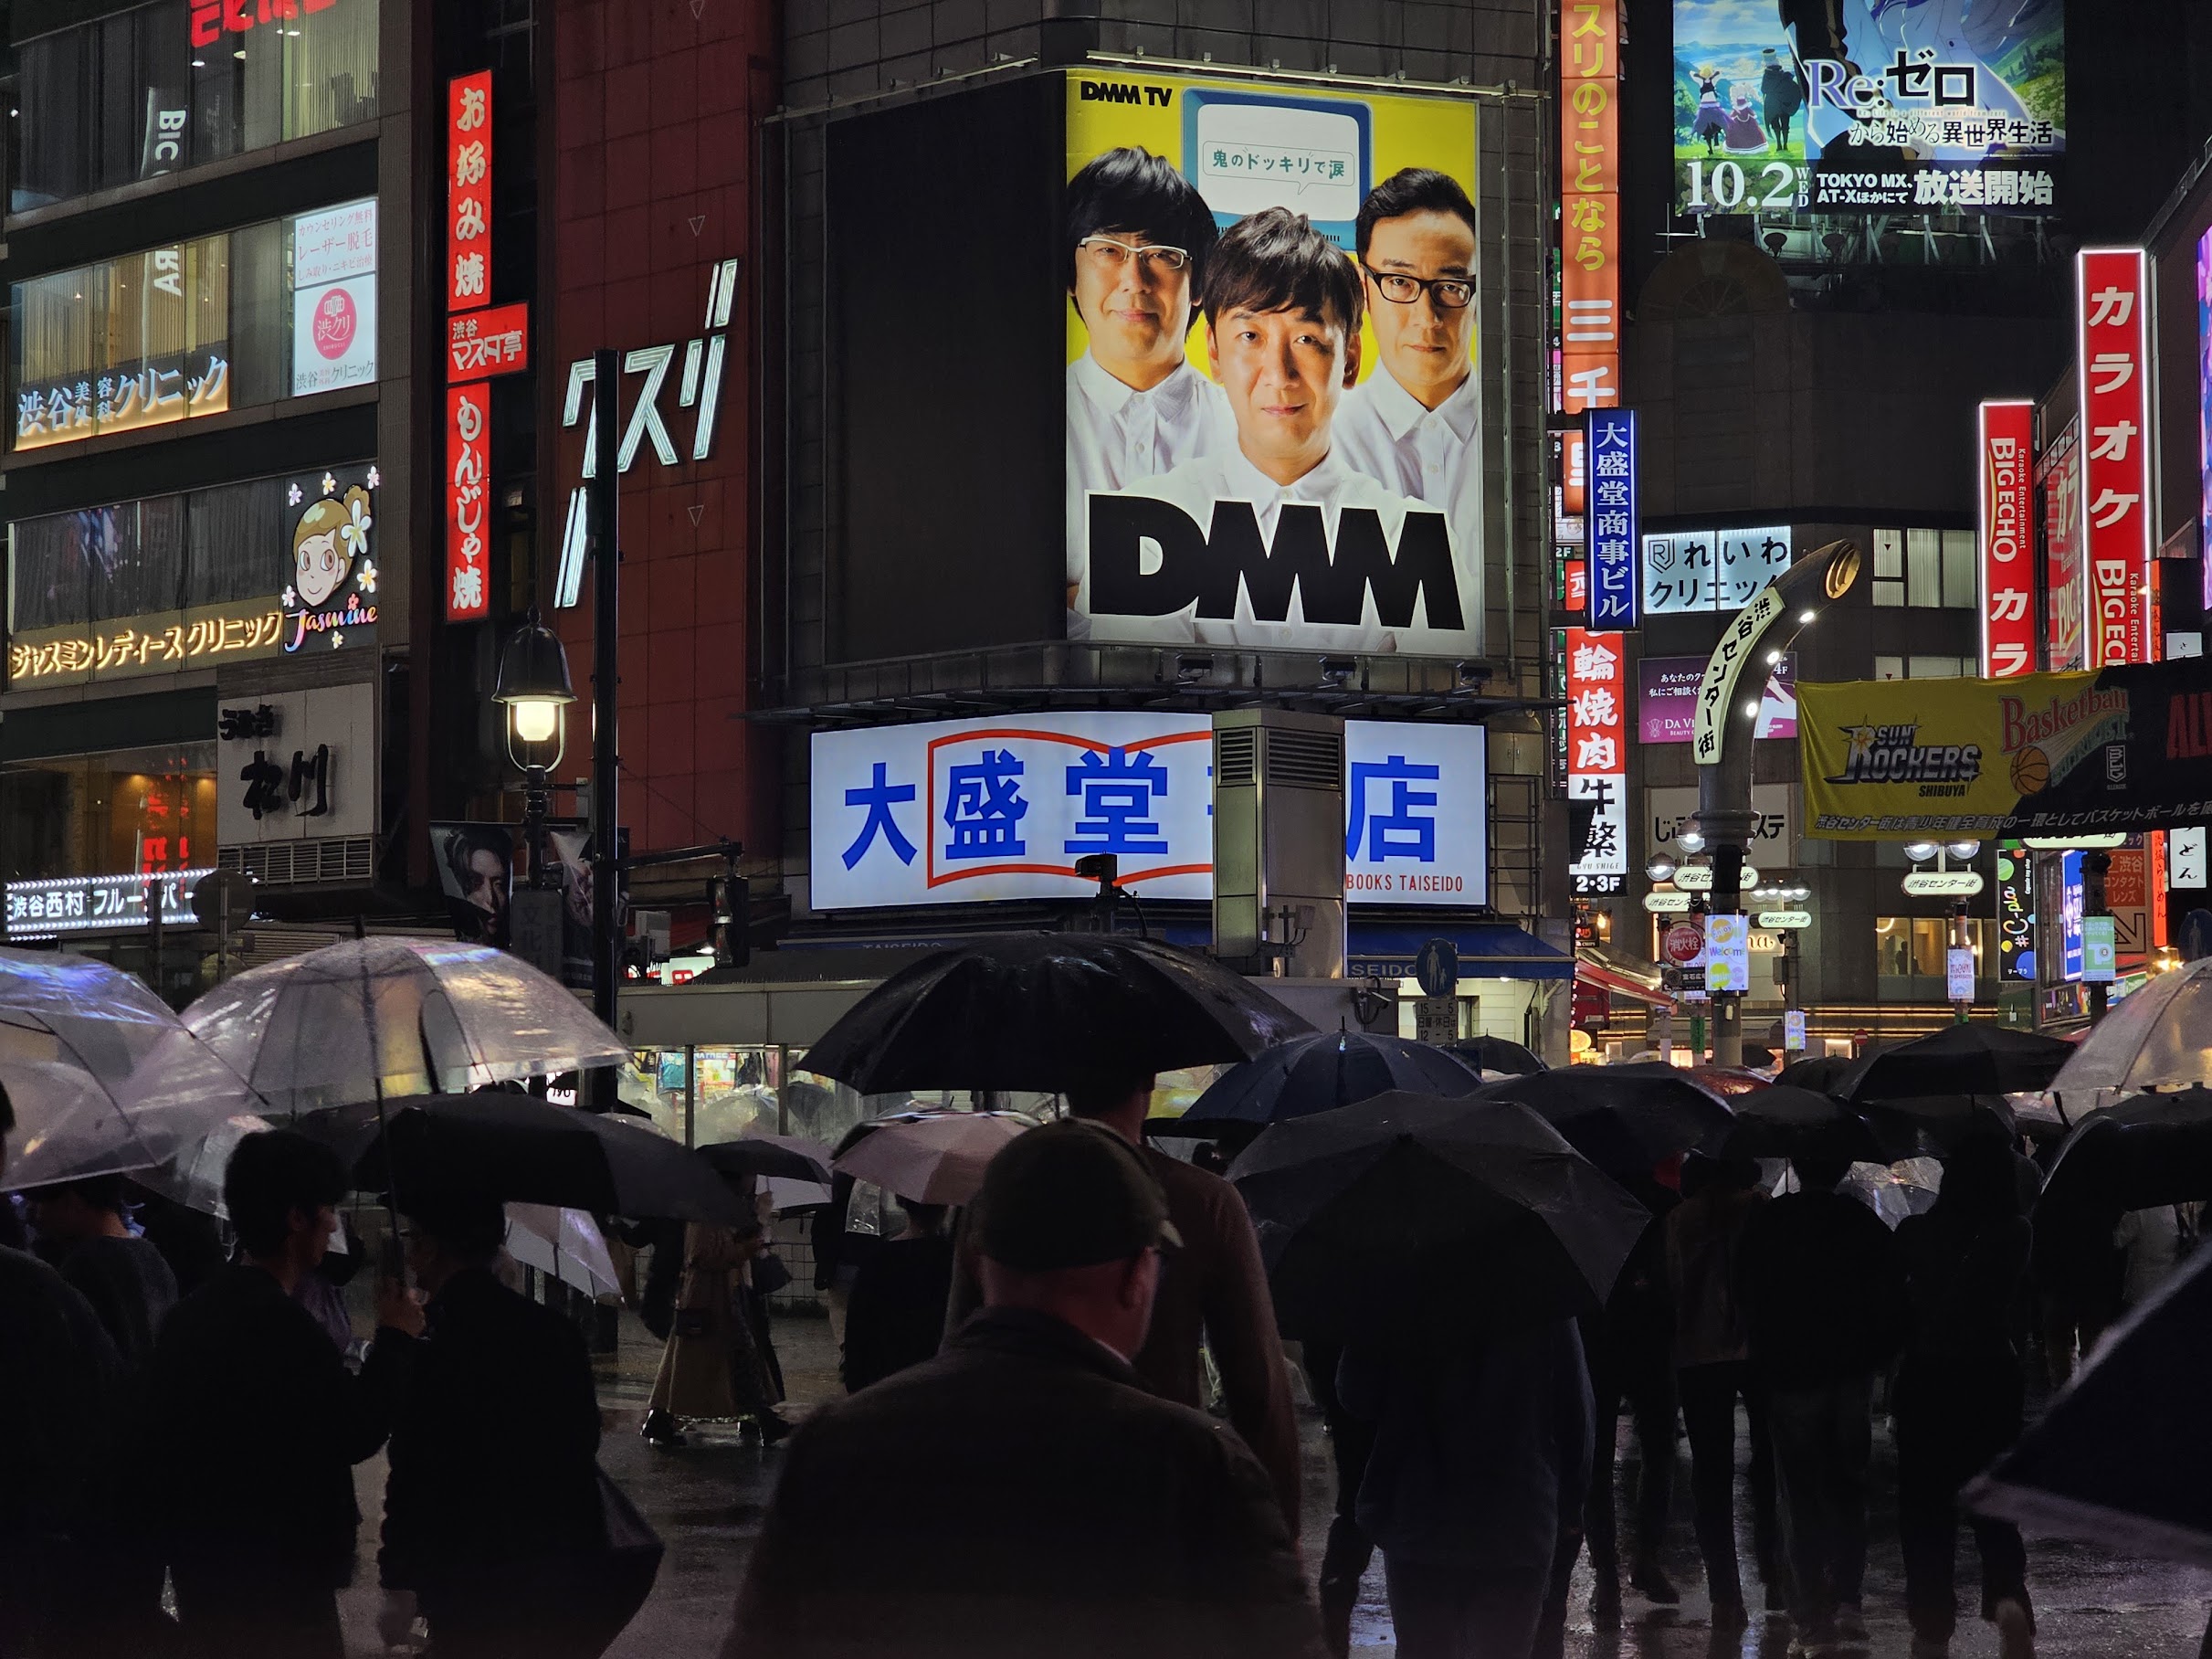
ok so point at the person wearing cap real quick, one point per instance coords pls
(1213, 1291)
(1068, 1509)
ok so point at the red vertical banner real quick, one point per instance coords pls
(469, 191)
(2009, 544)
(2112, 320)
(1589, 204)
(468, 501)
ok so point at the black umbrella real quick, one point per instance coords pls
(2121, 1457)
(1623, 1118)
(1319, 1073)
(1819, 1072)
(1496, 1054)
(1935, 1125)
(1409, 1206)
(782, 1156)
(519, 1149)
(2149, 1150)
(1037, 1010)
(1974, 1059)
(1785, 1122)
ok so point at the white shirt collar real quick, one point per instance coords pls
(1112, 396)
(1246, 483)
(1400, 411)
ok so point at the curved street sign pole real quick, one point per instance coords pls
(1727, 714)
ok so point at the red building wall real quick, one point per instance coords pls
(653, 138)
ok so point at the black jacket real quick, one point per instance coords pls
(1823, 1289)
(1025, 1495)
(494, 1479)
(895, 1316)
(253, 1427)
(60, 1393)
(129, 1285)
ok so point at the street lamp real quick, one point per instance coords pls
(1689, 839)
(1660, 868)
(533, 685)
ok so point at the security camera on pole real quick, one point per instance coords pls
(1728, 708)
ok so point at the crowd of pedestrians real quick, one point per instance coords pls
(1027, 1444)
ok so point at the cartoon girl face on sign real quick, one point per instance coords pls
(326, 541)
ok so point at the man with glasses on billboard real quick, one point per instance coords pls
(1415, 424)
(1138, 234)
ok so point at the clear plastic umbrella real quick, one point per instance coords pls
(2159, 1037)
(103, 1077)
(395, 1017)
(566, 1244)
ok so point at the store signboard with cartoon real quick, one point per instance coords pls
(1783, 106)
(330, 582)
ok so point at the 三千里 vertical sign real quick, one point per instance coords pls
(1615, 582)
(2008, 499)
(2112, 332)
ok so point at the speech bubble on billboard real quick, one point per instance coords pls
(1247, 156)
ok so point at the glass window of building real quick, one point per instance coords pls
(166, 87)
(1933, 668)
(110, 814)
(284, 308)
(1959, 574)
(1888, 668)
(1924, 568)
(1889, 567)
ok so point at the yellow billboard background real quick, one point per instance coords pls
(1402, 131)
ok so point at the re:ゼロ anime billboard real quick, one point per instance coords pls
(1274, 435)
(1831, 106)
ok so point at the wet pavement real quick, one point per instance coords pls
(708, 1498)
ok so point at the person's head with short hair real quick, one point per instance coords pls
(1416, 246)
(1109, 1094)
(449, 1233)
(282, 1191)
(1981, 1183)
(1070, 1223)
(1819, 1168)
(70, 1212)
(1282, 330)
(1136, 306)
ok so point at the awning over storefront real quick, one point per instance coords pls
(1487, 951)
(1621, 975)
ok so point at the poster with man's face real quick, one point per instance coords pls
(1274, 435)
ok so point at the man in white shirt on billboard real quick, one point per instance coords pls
(1137, 238)
(1282, 317)
(1415, 424)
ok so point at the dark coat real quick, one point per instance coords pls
(1478, 1453)
(1214, 1290)
(1027, 1495)
(60, 1384)
(494, 1479)
(253, 1427)
(129, 1285)
(1823, 1290)
(896, 1312)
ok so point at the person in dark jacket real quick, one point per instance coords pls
(254, 1423)
(1959, 1395)
(895, 1316)
(1069, 1509)
(1712, 1360)
(1212, 1291)
(124, 1278)
(1630, 1350)
(191, 1243)
(493, 1500)
(1481, 1449)
(61, 1394)
(1348, 1549)
(1824, 1294)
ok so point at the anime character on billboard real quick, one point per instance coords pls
(1137, 235)
(333, 579)
(1746, 133)
(1282, 310)
(1711, 122)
